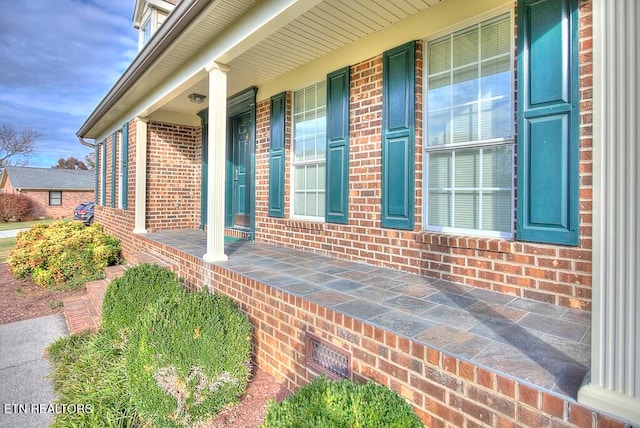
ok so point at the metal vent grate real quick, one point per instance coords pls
(327, 358)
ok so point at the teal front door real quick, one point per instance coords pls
(242, 147)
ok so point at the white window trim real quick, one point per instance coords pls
(479, 144)
(294, 164)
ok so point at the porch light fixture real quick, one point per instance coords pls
(197, 98)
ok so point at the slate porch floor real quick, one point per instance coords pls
(546, 345)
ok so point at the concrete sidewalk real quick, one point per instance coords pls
(10, 233)
(26, 395)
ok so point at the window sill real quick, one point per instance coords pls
(499, 245)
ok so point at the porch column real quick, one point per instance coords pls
(216, 160)
(615, 337)
(141, 176)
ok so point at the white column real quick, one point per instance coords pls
(216, 178)
(141, 176)
(615, 324)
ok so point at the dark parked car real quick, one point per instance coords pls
(84, 212)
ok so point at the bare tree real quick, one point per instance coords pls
(16, 143)
(70, 163)
(90, 160)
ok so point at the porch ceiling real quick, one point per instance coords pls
(318, 28)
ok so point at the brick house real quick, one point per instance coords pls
(488, 148)
(54, 193)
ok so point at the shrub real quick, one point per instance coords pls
(14, 206)
(131, 294)
(64, 252)
(188, 358)
(341, 404)
(88, 370)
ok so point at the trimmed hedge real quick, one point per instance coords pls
(162, 356)
(65, 252)
(188, 358)
(130, 295)
(341, 404)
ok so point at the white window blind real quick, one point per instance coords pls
(470, 130)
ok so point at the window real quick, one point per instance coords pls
(55, 198)
(145, 32)
(469, 136)
(309, 151)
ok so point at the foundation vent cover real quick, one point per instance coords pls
(327, 358)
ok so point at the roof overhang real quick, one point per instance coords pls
(261, 41)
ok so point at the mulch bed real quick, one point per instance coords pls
(22, 299)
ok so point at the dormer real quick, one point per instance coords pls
(148, 16)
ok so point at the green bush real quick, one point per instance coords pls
(341, 404)
(188, 358)
(129, 296)
(64, 252)
(88, 370)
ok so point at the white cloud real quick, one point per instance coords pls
(58, 60)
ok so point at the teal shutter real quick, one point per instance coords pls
(125, 164)
(548, 114)
(337, 146)
(97, 174)
(276, 156)
(398, 135)
(103, 161)
(114, 158)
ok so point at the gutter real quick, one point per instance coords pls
(184, 13)
(86, 143)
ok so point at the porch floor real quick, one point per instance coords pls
(539, 343)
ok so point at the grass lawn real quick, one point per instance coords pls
(23, 224)
(6, 244)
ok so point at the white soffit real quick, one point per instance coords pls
(325, 27)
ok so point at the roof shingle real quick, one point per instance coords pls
(50, 178)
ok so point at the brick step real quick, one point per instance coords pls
(80, 315)
(113, 272)
(95, 292)
(155, 259)
(84, 313)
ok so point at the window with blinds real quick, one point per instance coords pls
(309, 151)
(469, 135)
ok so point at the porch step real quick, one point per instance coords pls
(96, 291)
(84, 313)
(154, 259)
(113, 272)
(80, 315)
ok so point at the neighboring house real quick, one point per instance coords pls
(488, 143)
(54, 193)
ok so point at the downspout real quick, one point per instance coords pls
(94, 147)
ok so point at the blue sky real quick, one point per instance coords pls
(58, 59)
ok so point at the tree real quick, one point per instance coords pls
(15, 144)
(70, 163)
(90, 160)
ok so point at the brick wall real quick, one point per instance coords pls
(550, 273)
(70, 200)
(174, 158)
(444, 390)
(173, 181)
